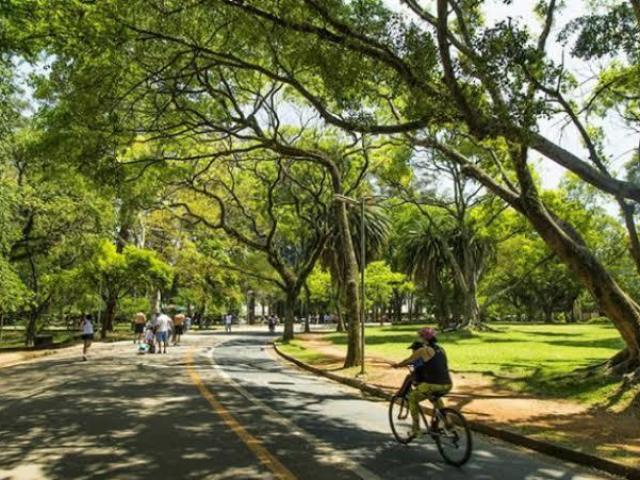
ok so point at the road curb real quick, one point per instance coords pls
(562, 453)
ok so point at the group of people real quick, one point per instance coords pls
(153, 336)
(430, 373)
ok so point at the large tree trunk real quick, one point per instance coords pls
(307, 311)
(471, 307)
(340, 327)
(565, 242)
(396, 306)
(30, 333)
(336, 285)
(251, 309)
(410, 307)
(289, 310)
(109, 315)
(628, 212)
(351, 289)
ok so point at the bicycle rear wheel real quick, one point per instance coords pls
(400, 419)
(452, 436)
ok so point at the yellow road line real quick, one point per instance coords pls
(266, 458)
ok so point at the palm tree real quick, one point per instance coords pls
(377, 224)
(448, 259)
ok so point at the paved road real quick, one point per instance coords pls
(218, 407)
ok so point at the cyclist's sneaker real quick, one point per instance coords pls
(415, 433)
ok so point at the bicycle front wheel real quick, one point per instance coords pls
(400, 419)
(452, 436)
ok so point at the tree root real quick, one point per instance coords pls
(623, 364)
(633, 378)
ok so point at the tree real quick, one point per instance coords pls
(439, 75)
(376, 231)
(380, 283)
(117, 274)
(270, 205)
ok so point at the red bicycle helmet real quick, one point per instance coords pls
(427, 333)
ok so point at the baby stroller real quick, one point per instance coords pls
(149, 343)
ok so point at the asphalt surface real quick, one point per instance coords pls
(219, 406)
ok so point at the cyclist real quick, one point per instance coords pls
(430, 375)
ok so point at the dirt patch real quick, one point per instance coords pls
(597, 431)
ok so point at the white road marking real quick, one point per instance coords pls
(327, 454)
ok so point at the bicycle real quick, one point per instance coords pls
(448, 427)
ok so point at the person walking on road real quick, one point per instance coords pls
(87, 335)
(139, 321)
(178, 327)
(162, 325)
(228, 320)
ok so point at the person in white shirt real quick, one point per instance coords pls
(228, 319)
(162, 325)
(87, 335)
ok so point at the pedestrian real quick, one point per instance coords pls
(178, 327)
(228, 319)
(139, 321)
(187, 324)
(87, 335)
(150, 338)
(162, 326)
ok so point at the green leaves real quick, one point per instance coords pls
(133, 269)
(613, 30)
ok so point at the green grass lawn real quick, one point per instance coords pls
(15, 337)
(540, 359)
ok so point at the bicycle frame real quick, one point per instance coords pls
(447, 427)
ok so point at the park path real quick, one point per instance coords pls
(220, 406)
(574, 425)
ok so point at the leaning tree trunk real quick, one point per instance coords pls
(565, 242)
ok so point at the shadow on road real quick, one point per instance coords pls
(141, 417)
